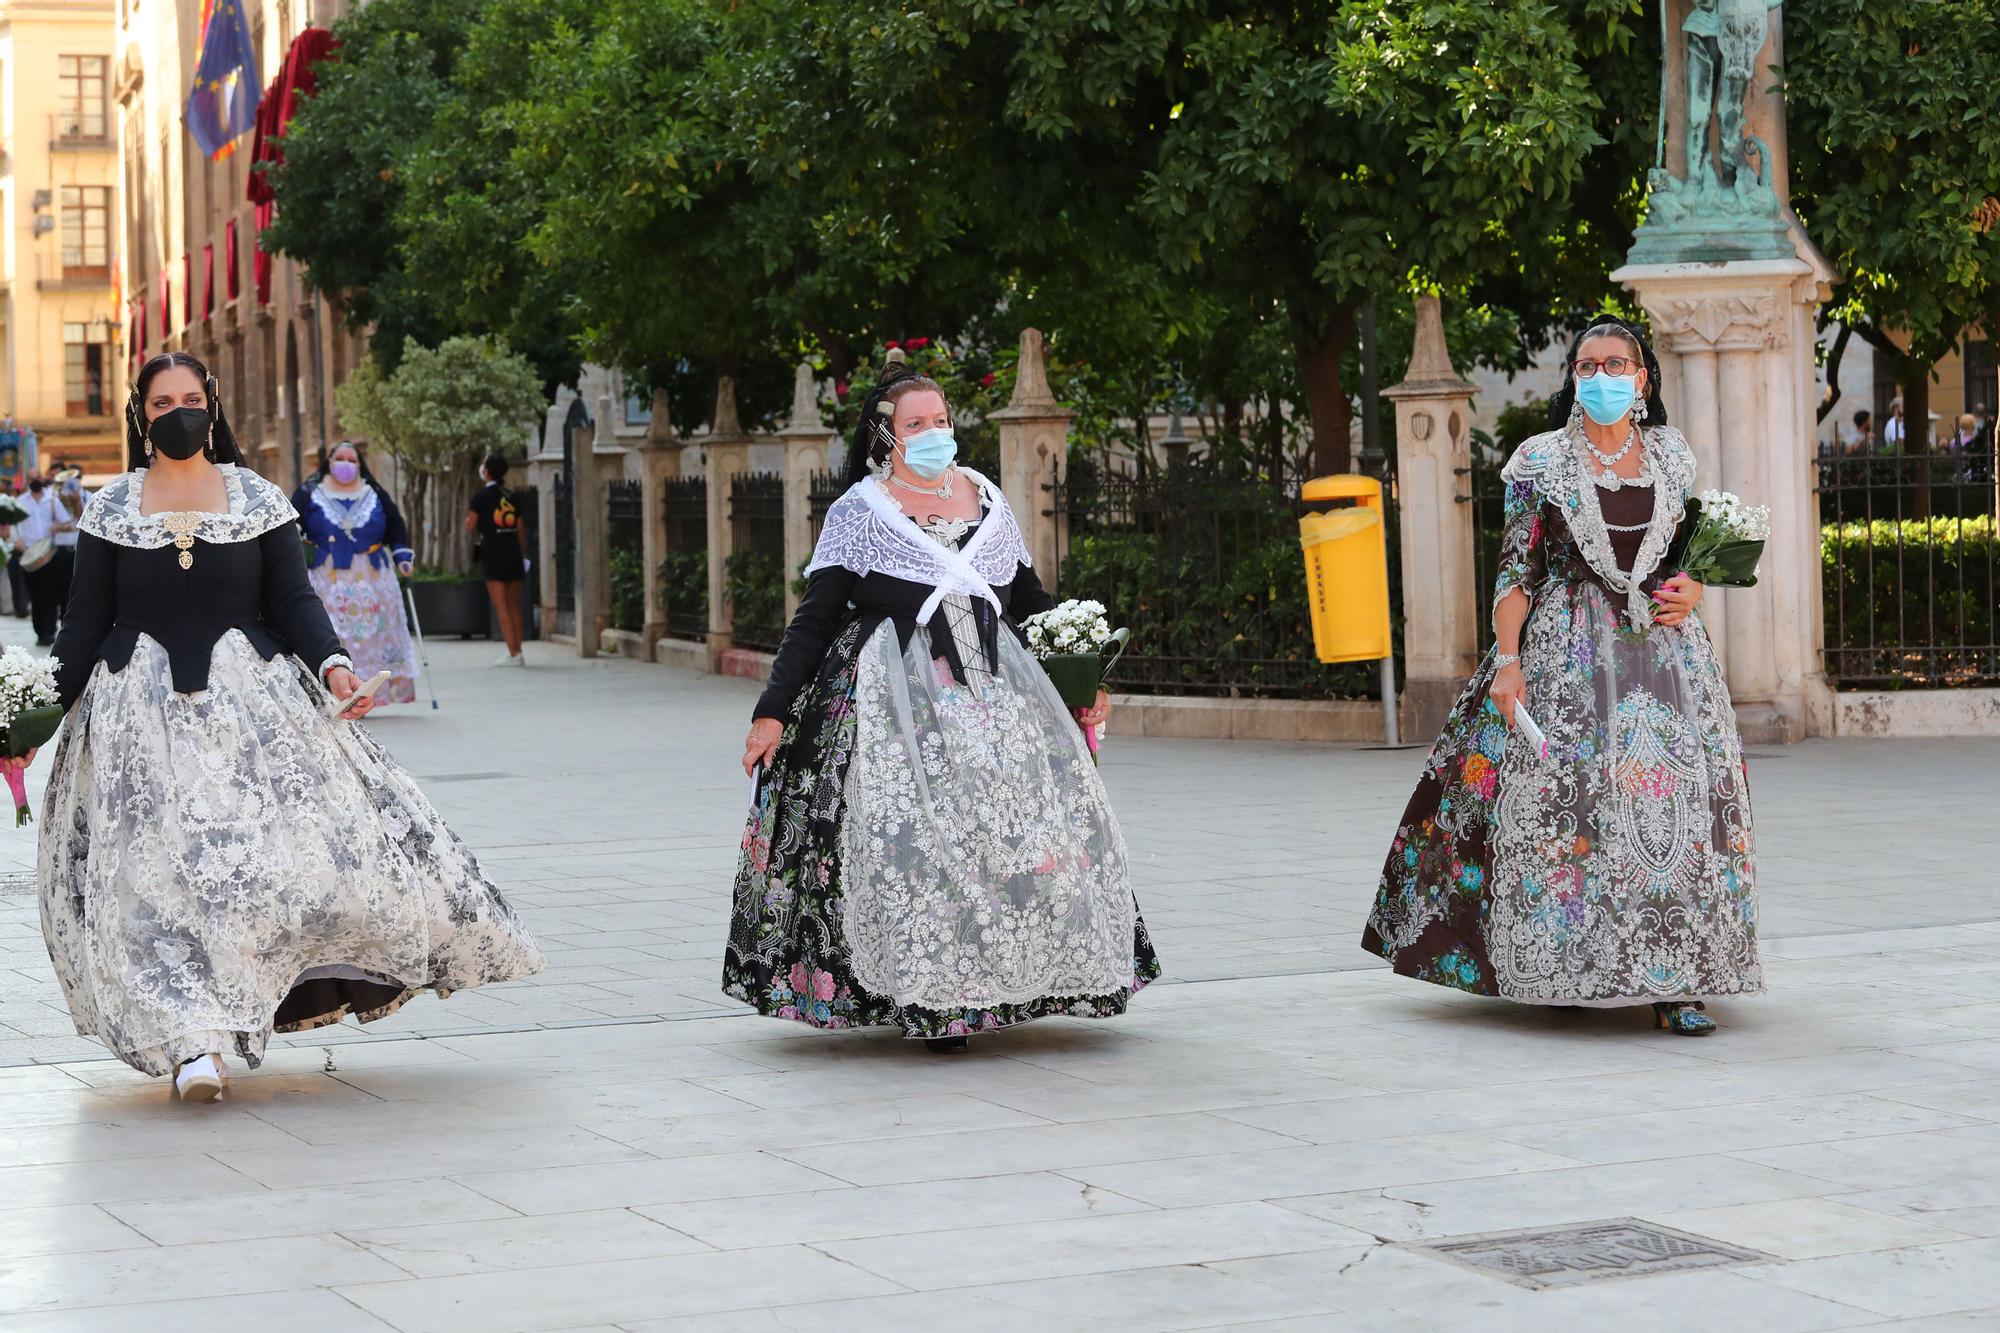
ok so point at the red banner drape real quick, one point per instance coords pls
(166, 305)
(207, 279)
(261, 262)
(232, 283)
(187, 290)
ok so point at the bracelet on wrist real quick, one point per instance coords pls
(1505, 660)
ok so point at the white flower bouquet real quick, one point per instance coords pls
(1724, 542)
(29, 715)
(1076, 645)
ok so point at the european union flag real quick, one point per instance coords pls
(223, 105)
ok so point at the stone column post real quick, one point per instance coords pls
(586, 494)
(1034, 454)
(1441, 607)
(728, 455)
(543, 467)
(806, 438)
(660, 457)
(1737, 338)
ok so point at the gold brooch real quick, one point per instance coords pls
(182, 526)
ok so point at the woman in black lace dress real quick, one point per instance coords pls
(931, 847)
(220, 858)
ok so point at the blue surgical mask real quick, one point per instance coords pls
(1606, 398)
(930, 452)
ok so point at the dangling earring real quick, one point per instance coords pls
(1638, 411)
(208, 449)
(1575, 411)
(148, 439)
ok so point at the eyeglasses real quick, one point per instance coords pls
(1614, 365)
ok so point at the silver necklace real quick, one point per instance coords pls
(1609, 478)
(942, 490)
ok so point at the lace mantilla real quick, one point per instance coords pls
(1554, 463)
(867, 532)
(255, 508)
(348, 513)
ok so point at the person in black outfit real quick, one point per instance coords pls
(220, 857)
(493, 516)
(930, 847)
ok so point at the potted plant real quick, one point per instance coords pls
(448, 602)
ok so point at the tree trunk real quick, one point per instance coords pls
(1917, 434)
(1833, 357)
(1318, 345)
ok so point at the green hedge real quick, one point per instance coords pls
(628, 589)
(684, 584)
(755, 583)
(1910, 602)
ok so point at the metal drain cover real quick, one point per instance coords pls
(1587, 1252)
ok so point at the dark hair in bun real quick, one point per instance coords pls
(874, 436)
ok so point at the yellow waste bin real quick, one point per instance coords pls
(1347, 569)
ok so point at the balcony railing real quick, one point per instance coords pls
(53, 274)
(78, 131)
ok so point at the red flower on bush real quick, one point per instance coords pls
(915, 344)
(840, 390)
(986, 380)
(892, 343)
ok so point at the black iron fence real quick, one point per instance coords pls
(821, 491)
(755, 577)
(565, 548)
(1908, 570)
(625, 527)
(1202, 561)
(684, 567)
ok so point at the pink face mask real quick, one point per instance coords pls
(345, 472)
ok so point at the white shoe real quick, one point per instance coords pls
(511, 659)
(201, 1079)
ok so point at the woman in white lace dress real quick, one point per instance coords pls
(1616, 867)
(930, 847)
(219, 857)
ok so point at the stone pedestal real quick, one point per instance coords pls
(1735, 342)
(1441, 605)
(1034, 455)
(806, 438)
(728, 450)
(660, 459)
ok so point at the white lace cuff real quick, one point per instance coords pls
(338, 659)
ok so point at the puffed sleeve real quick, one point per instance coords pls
(395, 532)
(93, 605)
(291, 606)
(1523, 552)
(806, 639)
(1026, 596)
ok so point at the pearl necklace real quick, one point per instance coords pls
(942, 490)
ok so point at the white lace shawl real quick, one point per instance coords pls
(867, 532)
(342, 516)
(1553, 462)
(256, 506)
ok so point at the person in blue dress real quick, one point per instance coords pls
(360, 543)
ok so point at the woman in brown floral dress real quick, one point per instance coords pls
(1613, 867)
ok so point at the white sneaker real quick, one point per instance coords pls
(510, 659)
(201, 1079)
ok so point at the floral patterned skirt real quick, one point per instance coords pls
(1615, 869)
(932, 858)
(366, 606)
(222, 864)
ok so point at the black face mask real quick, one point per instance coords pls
(181, 433)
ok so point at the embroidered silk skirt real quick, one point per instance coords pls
(221, 864)
(931, 855)
(366, 606)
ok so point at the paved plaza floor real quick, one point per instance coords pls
(1279, 1136)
